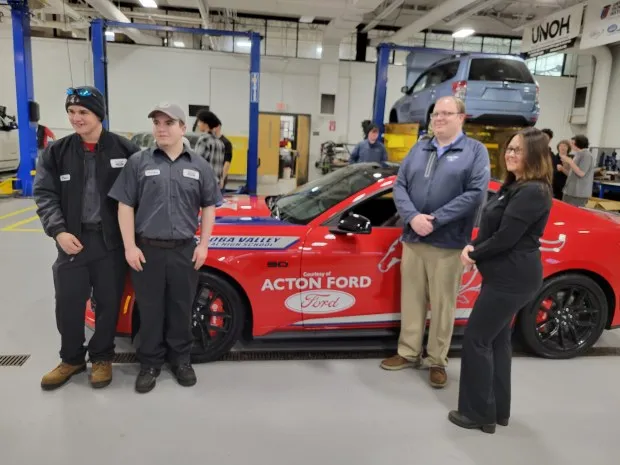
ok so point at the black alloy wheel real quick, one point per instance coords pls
(566, 318)
(218, 316)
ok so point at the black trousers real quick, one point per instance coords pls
(484, 391)
(165, 291)
(94, 269)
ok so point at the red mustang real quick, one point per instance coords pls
(324, 260)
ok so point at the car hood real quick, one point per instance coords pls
(243, 209)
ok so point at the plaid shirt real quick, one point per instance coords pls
(213, 150)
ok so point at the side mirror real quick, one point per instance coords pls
(354, 224)
(404, 89)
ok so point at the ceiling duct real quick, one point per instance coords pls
(109, 11)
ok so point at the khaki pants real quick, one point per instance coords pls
(428, 275)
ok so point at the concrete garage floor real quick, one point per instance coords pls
(284, 412)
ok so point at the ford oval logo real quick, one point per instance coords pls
(320, 302)
(612, 28)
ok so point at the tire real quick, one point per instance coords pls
(570, 330)
(393, 117)
(216, 330)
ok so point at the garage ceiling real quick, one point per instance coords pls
(496, 17)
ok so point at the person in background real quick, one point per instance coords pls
(213, 146)
(370, 149)
(579, 171)
(506, 252)
(44, 134)
(440, 187)
(559, 178)
(160, 193)
(71, 184)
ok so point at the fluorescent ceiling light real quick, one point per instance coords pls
(465, 32)
(179, 43)
(306, 19)
(244, 43)
(148, 3)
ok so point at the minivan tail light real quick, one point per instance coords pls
(537, 94)
(459, 89)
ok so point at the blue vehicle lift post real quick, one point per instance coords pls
(22, 53)
(98, 27)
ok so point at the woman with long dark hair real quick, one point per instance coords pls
(506, 253)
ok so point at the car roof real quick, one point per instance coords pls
(459, 56)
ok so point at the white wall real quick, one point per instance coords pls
(556, 99)
(611, 132)
(139, 77)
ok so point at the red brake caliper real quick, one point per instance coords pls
(217, 306)
(543, 315)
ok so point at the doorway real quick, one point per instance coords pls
(284, 146)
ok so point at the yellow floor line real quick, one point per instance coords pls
(12, 227)
(21, 230)
(17, 212)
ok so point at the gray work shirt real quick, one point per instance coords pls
(167, 195)
(91, 205)
(581, 186)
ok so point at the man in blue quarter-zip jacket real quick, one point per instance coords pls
(370, 149)
(441, 184)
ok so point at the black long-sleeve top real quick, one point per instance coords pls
(506, 250)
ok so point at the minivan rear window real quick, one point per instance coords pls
(497, 69)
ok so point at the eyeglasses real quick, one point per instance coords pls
(79, 91)
(515, 150)
(444, 114)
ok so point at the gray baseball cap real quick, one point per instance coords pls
(173, 110)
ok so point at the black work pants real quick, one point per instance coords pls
(95, 269)
(484, 391)
(165, 291)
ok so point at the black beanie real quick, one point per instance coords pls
(87, 97)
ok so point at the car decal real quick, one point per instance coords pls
(252, 242)
(459, 314)
(253, 220)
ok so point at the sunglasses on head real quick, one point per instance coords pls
(79, 91)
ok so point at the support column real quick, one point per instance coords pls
(252, 164)
(22, 53)
(100, 60)
(381, 79)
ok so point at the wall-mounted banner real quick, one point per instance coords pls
(554, 33)
(601, 25)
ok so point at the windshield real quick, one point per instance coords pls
(316, 197)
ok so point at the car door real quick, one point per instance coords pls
(352, 281)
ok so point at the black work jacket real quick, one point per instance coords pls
(59, 184)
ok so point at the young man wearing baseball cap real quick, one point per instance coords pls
(73, 178)
(160, 193)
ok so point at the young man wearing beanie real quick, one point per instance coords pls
(73, 178)
(160, 193)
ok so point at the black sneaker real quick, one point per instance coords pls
(146, 379)
(184, 374)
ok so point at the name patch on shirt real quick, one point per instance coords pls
(152, 172)
(65, 177)
(193, 174)
(118, 162)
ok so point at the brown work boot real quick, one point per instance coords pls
(438, 377)
(60, 375)
(398, 362)
(101, 374)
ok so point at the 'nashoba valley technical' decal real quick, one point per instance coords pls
(252, 242)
